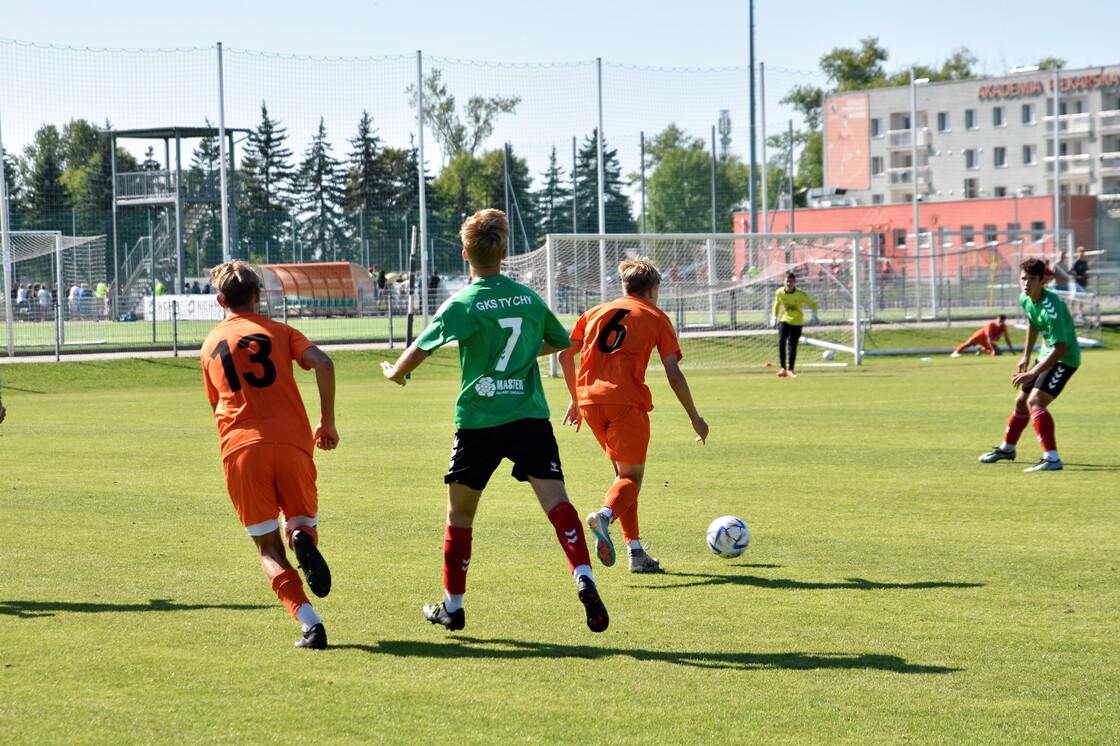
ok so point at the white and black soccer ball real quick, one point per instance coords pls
(728, 536)
(828, 354)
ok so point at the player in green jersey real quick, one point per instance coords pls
(501, 327)
(1040, 384)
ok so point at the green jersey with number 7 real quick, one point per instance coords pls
(500, 326)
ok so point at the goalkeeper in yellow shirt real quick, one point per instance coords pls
(788, 301)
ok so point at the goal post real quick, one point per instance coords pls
(718, 288)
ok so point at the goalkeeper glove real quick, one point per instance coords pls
(814, 320)
(773, 321)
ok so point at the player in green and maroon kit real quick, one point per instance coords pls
(1041, 383)
(501, 327)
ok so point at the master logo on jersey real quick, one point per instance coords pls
(485, 386)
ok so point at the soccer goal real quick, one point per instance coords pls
(57, 263)
(717, 288)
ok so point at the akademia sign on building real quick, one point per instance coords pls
(1085, 82)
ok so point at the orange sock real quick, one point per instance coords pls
(622, 499)
(309, 529)
(288, 587)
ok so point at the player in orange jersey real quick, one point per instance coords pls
(266, 439)
(987, 337)
(614, 341)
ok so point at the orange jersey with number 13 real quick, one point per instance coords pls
(247, 361)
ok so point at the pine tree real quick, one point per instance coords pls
(11, 183)
(554, 201)
(150, 163)
(319, 192)
(367, 185)
(619, 217)
(267, 171)
(47, 198)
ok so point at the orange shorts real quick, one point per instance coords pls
(267, 479)
(621, 429)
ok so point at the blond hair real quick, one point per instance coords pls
(237, 283)
(638, 275)
(484, 237)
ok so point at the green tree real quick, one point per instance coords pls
(680, 185)
(1049, 63)
(80, 144)
(150, 162)
(455, 133)
(267, 171)
(319, 190)
(47, 198)
(12, 182)
(554, 200)
(619, 216)
(368, 182)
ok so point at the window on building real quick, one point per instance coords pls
(946, 239)
(991, 233)
(971, 121)
(970, 159)
(900, 237)
(999, 156)
(876, 165)
(1000, 192)
(876, 127)
(999, 117)
(942, 121)
(971, 188)
(1038, 227)
(1029, 114)
(1013, 232)
(876, 199)
(967, 238)
(1030, 155)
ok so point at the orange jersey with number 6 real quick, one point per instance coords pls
(247, 363)
(618, 338)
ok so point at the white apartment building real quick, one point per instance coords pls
(981, 139)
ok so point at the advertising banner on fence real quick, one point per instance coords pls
(190, 308)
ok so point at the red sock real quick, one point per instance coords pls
(622, 499)
(569, 530)
(1044, 429)
(456, 559)
(288, 587)
(1015, 427)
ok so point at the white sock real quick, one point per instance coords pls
(452, 601)
(634, 546)
(1051, 456)
(1007, 447)
(583, 571)
(607, 513)
(307, 617)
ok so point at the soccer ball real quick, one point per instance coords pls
(828, 354)
(728, 536)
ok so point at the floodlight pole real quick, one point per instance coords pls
(1057, 165)
(762, 118)
(754, 163)
(602, 200)
(423, 239)
(224, 177)
(6, 245)
(914, 195)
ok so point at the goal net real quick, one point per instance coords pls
(718, 288)
(45, 259)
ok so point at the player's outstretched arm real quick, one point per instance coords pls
(326, 434)
(680, 387)
(568, 366)
(409, 361)
(3, 412)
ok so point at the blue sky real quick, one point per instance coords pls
(702, 33)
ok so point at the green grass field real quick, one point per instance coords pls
(895, 589)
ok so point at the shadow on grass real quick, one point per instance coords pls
(854, 584)
(503, 649)
(29, 609)
(1092, 467)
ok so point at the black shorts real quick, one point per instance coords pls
(1052, 380)
(528, 443)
